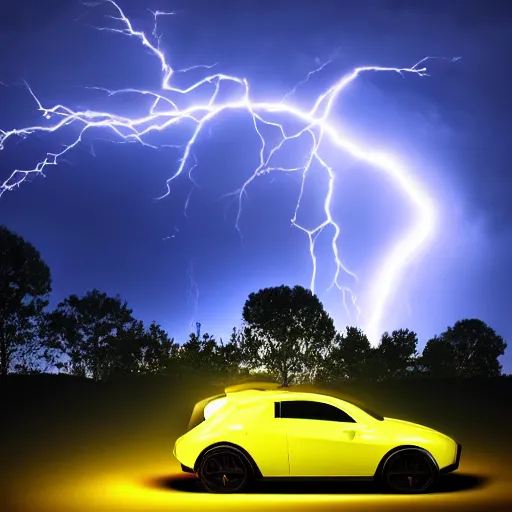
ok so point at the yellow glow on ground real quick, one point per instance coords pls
(136, 487)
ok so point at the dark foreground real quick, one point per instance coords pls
(74, 445)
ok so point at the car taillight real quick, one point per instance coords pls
(213, 407)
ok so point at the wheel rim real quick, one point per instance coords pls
(224, 472)
(409, 472)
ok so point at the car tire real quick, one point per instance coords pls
(224, 469)
(409, 471)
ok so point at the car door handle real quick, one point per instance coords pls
(349, 433)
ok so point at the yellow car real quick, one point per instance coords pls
(248, 434)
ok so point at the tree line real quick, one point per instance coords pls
(286, 335)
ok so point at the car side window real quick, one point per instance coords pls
(308, 410)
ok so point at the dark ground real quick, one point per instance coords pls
(69, 444)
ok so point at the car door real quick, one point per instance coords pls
(264, 438)
(324, 440)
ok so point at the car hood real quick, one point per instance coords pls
(402, 424)
(402, 428)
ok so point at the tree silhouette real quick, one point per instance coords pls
(287, 334)
(122, 350)
(135, 349)
(199, 354)
(287, 331)
(395, 353)
(96, 333)
(159, 352)
(438, 358)
(349, 357)
(474, 350)
(25, 285)
(230, 354)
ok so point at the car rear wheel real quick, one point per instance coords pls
(224, 470)
(409, 471)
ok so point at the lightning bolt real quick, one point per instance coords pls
(193, 296)
(316, 127)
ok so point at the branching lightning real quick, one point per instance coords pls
(317, 128)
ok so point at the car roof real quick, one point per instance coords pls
(254, 393)
(264, 395)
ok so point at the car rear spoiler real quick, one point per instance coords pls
(252, 386)
(197, 415)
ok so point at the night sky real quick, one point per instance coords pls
(98, 223)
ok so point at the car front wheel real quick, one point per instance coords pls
(409, 472)
(224, 470)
